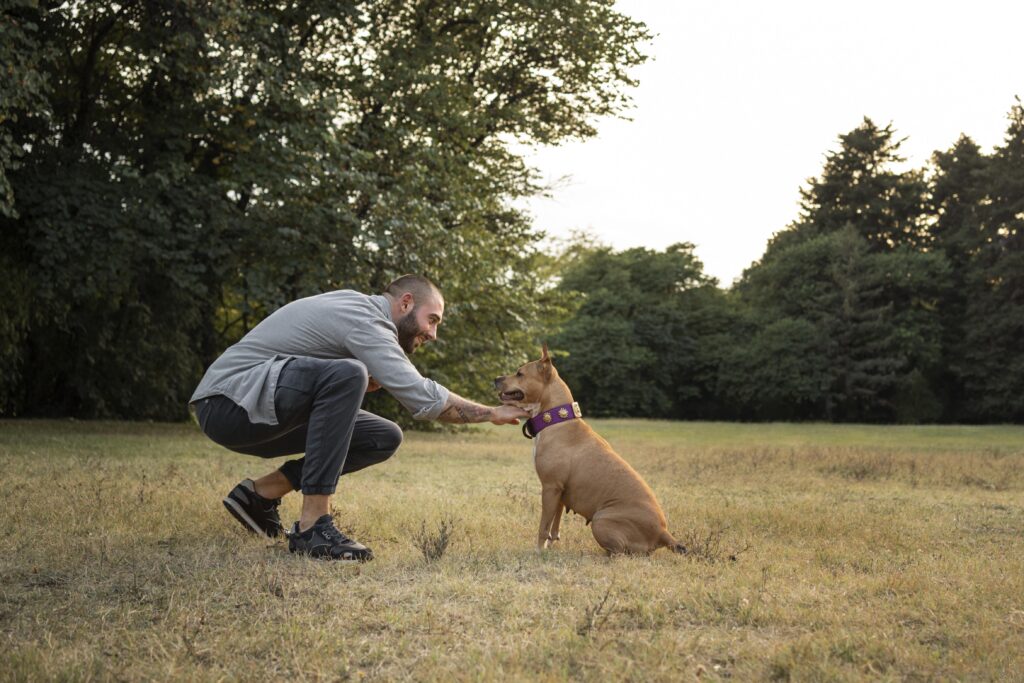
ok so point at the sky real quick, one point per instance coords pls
(741, 101)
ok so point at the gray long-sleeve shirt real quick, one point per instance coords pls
(339, 324)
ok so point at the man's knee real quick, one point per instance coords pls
(385, 440)
(346, 371)
(374, 446)
(390, 439)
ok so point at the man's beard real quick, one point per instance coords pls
(408, 330)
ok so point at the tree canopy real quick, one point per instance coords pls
(895, 296)
(173, 171)
(629, 346)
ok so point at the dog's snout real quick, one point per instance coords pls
(497, 382)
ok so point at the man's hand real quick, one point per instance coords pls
(508, 415)
(373, 385)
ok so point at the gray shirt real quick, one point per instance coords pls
(340, 324)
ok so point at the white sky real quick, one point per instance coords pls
(742, 100)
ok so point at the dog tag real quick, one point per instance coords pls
(576, 409)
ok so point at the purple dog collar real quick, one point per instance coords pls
(552, 416)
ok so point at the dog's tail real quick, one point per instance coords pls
(669, 541)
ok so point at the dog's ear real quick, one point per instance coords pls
(545, 363)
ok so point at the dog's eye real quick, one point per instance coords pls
(519, 373)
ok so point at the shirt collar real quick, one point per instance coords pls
(384, 304)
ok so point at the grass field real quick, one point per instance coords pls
(862, 553)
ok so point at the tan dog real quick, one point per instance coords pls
(580, 472)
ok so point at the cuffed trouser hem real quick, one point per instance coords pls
(318, 490)
(292, 471)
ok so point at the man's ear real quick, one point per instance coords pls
(407, 299)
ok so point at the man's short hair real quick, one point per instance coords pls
(419, 286)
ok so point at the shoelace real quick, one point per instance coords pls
(332, 534)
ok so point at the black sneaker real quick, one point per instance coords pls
(256, 513)
(325, 542)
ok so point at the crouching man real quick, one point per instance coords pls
(294, 384)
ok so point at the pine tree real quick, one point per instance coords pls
(993, 354)
(958, 197)
(859, 186)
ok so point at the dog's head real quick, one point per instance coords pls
(526, 387)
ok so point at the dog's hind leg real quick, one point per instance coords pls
(610, 535)
(669, 541)
(624, 535)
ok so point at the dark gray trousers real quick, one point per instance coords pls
(317, 405)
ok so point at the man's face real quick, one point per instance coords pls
(419, 323)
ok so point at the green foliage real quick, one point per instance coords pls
(957, 190)
(781, 373)
(195, 166)
(895, 297)
(993, 327)
(171, 172)
(632, 347)
(860, 186)
(868, 320)
(23, 88)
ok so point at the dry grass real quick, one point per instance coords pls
(861, 553)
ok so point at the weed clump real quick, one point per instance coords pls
(707, 545)
(594, 616)
(433, 544)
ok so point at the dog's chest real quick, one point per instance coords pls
(545, 462)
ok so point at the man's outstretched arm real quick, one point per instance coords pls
(459, 410)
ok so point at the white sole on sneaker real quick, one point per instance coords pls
(240, 514)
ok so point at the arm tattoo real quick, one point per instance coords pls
(449, 416)
(461, 410)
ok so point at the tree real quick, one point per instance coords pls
(958, 197)
(781, 372)
(993, 365)
(631, 348)
(859, 186)
(853, 266)
(22, 92)
(868, 321)
(205, 163)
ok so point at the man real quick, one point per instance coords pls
(294, 384)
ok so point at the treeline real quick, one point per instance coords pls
(896, 296)
(172, 171)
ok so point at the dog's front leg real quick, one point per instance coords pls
(551, 505)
